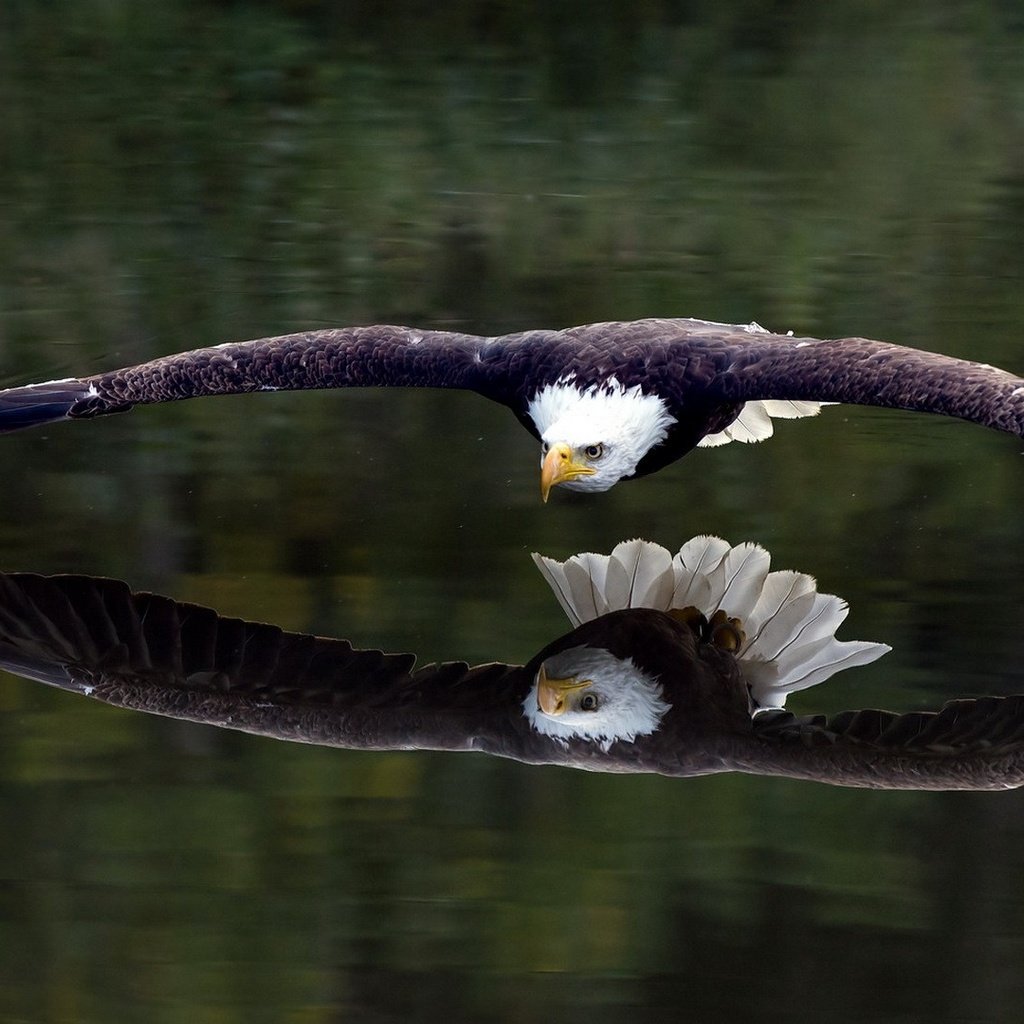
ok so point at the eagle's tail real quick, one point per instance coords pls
(35, 404)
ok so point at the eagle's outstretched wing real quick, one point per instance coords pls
(149, 653)
(971, 744)
(856, 371)
(703, 371)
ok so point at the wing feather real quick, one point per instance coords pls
(149, 653)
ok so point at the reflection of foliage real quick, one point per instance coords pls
(181, 173)
(212, 869)
(819, 171)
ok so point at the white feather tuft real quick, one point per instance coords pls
(754, 421)
(692, 565)
(637, 574)
(790, 628)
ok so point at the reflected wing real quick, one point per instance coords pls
(967, 744)
(149, 653)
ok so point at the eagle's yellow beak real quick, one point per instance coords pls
(558, 467)
(551, 693)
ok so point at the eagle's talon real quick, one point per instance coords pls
(721, 631)
(692, 617)
(728, 637)
(725, 633)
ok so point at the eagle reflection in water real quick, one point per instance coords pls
(678, 665)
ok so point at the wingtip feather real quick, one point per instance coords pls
(36, 404)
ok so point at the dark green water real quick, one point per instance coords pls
(191, 173)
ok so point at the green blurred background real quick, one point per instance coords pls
(191, 172)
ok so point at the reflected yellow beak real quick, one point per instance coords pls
(551, 693)
(559, 467)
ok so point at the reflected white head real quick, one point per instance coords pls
(587, 692)
(594, 437)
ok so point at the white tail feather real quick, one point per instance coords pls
(587, 585)
(554, 573)
(754, 421)
(693, 565)
(783, 409)
(772, 682)
(752, 424)
(739, 579)
(785, 627)
(643, 571)
(790, 628)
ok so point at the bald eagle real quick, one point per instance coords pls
(635, 689)
(606, 401)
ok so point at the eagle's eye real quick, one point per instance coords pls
(589, 702)
(594, 451)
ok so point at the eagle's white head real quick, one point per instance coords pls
(587, 692)
(594, 437)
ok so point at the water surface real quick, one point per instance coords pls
(193, 174)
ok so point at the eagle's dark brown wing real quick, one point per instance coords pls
(858, 371)
(968, 744)
(703, 371)
(349, 357)
(149, 653)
